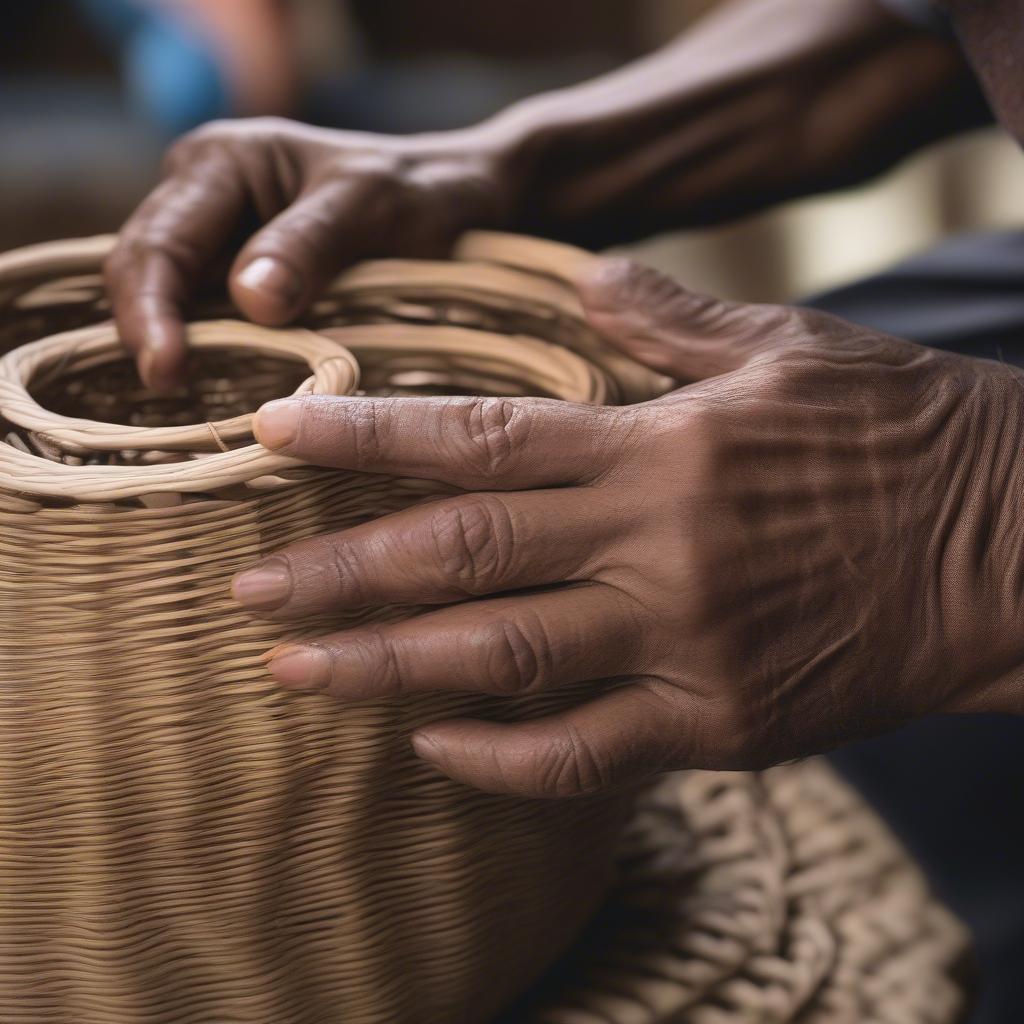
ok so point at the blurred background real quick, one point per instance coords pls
(91, 91)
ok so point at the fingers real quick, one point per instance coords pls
(474, 443)
(469, 546)
(613, 740)
(285, 264)
(681, 333)
(159, 255)
(511, 646)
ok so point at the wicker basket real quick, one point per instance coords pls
(770, 898)
(183, 843)
(180, 840)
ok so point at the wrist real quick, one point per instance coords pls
(983, 614)
(593, 159)
(518, 144)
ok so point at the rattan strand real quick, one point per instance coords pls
(759, 899)
(335, 372)
(182, 841)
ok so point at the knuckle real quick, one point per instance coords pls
(519, 659)
(379, 663)
(784, 338)
(228, 131)
(801, 322)
(700, 537)
(785, 374)
(633, 285)
(148, 236)
(184, 150)
(181, 151)
(374, 180)
(375, 168)
(473, 541)
(263, 126)
(705, 314)
(609, 432)
(367, 425)
(628, 283)
(570, 768)
(347, 570)
(216, 129)
(493, 432)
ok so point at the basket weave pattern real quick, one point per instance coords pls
(179, 839)
(769, 898)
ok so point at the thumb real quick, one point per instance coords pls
(665, 326)
(286, 264)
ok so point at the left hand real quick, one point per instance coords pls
(816, 539)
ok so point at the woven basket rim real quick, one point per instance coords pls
(335, 372)
(332, 353)
(64, 257)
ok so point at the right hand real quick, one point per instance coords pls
(813, 540)
(320, 199)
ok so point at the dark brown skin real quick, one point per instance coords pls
(992, 33)
(752, 106)
(815, 538)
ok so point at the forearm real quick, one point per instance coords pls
(761, 101)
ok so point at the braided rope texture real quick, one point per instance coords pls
(181, 841)
(761, 899)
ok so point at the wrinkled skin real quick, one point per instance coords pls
(324, 199)
(812, 541)
(702, 130)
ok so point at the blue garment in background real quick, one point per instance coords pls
(170, 72)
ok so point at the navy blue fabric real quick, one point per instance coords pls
(967, 296)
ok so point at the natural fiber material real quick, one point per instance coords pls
(761, 899)
(181, 841)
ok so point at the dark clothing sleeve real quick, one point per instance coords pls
(921, 12)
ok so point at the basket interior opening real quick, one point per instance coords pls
(222, 384)
(217, 385)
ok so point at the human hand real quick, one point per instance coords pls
(302, 203)
(816, 539)
(703, 130)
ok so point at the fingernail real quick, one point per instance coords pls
(265, 587)
(277, 423)
(301, 668)
(425, 748)
(272, 277)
